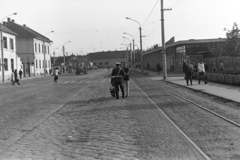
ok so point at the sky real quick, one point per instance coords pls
(98, 25)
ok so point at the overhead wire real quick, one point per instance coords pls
(150, 12)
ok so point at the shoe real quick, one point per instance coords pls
(122, 97)
(206, 82)
(126, 96)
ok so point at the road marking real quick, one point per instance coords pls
(88, 82)
(65, 82)
(80, 82)
(72, 82)
(103, 81)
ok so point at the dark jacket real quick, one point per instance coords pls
(126, 72)
(116, 70)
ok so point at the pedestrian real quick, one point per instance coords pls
(221, 67)
(148, 65)
(20, 74)
(12, 77)
(158, 68)
(126, 79)
(118, 74)
(188, 72)
(213, 67)
(50, 71)
(56, 75)
(16, 77)
(201, 72)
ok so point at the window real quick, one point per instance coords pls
(11, 44)
(6, 64)
(36, 64)
(35, 47)
(100, 63)
(39, 48)
(106, 63)
(12, 64)
(39, 63)
(5, 42)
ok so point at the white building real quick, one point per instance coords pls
(33, 49)
(11, 61)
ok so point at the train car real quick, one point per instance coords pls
(81, 67)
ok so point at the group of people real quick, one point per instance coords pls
(188, 70)
(120, 78)
(14, 76)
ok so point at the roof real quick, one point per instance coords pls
(190, 41)
(107, 55)
(25, 32)
(7, 30)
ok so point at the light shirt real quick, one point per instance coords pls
(56, 72)
(201, 67)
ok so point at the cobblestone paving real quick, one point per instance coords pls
(93, 125)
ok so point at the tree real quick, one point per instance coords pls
(233, 41)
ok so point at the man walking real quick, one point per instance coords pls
(16, 77)
(118, 74)
(56, 75)
(20, 74)
(201, 72)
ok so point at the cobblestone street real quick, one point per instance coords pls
(93, 125)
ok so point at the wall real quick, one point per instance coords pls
(9, 54)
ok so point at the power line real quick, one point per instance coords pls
(151, 11)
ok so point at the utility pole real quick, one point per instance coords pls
(163, 42)
(64, 58)
(133, 56)
(140, 29)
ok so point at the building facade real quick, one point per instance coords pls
(107, 59)
(11, 60)
(33, 49)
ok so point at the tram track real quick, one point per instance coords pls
(156, 85)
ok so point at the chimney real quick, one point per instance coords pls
(4, 23)
(24, 25)
(9, 19)
(13, 20)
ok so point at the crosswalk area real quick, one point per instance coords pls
(83, 81)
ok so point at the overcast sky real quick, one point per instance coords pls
(98, 25)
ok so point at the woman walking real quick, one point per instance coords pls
(12, 77)
(126, 79)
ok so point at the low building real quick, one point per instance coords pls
(108, 58)
(11, 60)
(176, 52)
(33, 49)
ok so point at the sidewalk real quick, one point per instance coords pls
(220, 90)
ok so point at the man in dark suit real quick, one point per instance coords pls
(117, 75)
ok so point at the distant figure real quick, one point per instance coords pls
(221, 67)
(201, 72)
(206, 67)
(158, 68)
(213, 67)
(126, 79)
(20, 74)
(50, 71)
(56, 75)
(16, 77)
(188, 72)
(148, 66)
(12, 77)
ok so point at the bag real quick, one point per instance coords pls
(117, 78)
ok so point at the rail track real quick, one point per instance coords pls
(161, 87)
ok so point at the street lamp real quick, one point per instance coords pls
(64, 55)
(44, 52)
(2, 55)
(140, 29)
(133, 52)
(130, 51)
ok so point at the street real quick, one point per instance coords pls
(78, 119)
